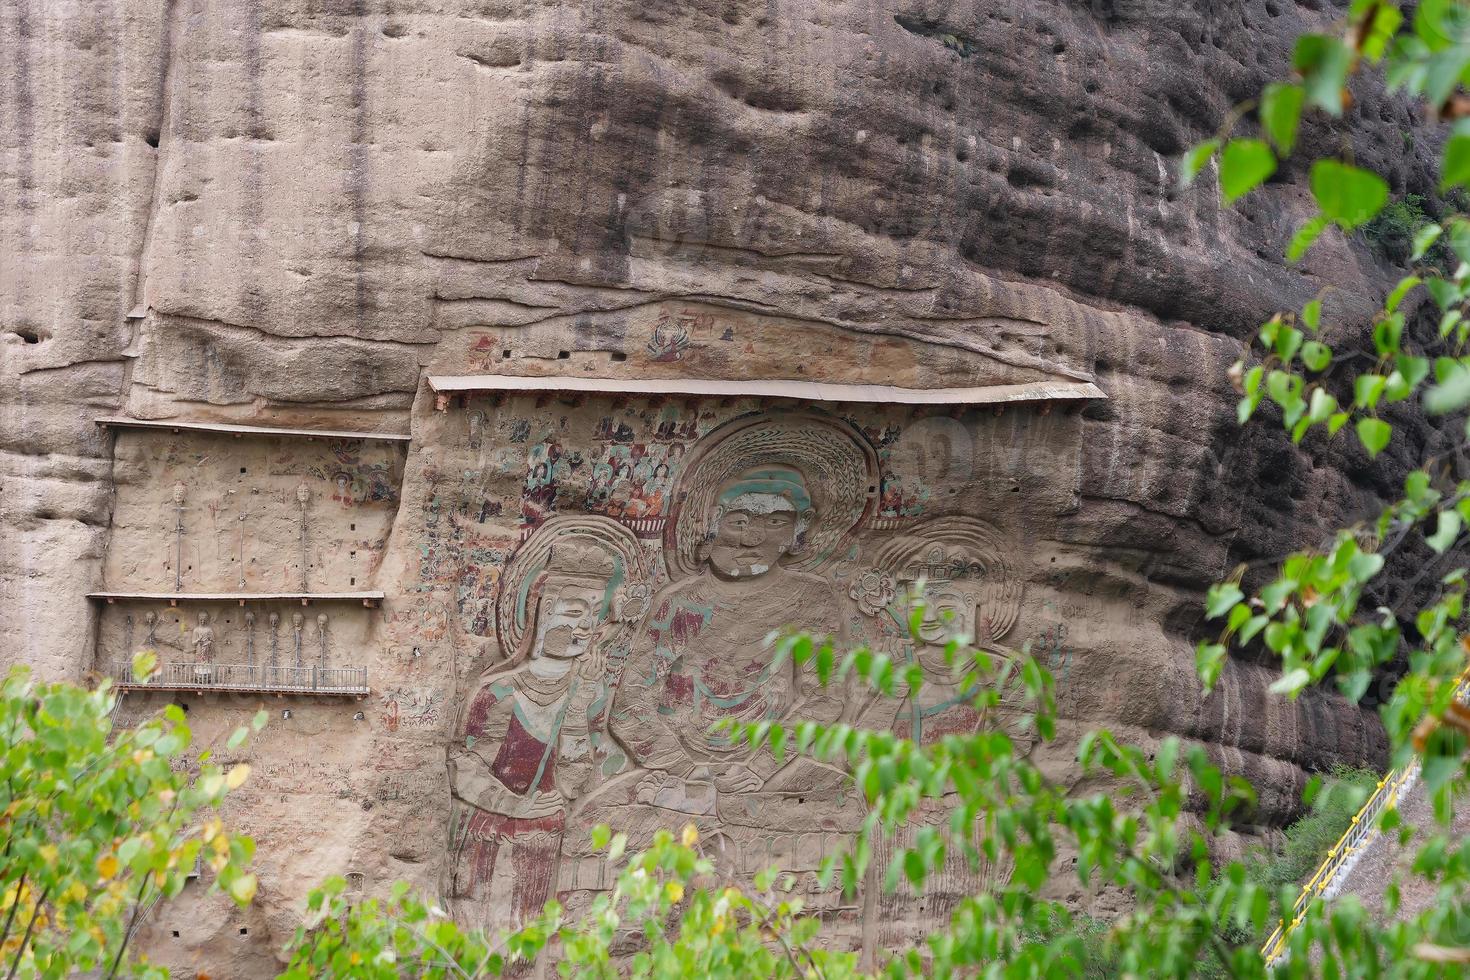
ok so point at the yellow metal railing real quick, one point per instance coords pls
(1359, 835)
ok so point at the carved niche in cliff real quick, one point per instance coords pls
(682, 479)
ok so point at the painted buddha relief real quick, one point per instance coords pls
(763, 509)
(608, 705)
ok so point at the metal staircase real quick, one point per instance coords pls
(1361, 835)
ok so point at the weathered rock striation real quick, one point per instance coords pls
(375, 217)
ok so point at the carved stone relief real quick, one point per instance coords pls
(627, 633)
(321, 639)
(202, 640)
(205, 512)
(249, 619)
(266, 634)
(962, 571)
(763, 508)
(533, 739)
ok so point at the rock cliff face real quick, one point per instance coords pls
(296, 215)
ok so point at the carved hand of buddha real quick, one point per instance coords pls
(738, 779)
(541, 804)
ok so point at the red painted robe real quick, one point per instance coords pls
(518, 727)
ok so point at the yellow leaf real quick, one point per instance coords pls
(76, 891)
(675, 891)
(237, 776)
(49, 853)
(107, 866)
(690, 836)
(243, 888)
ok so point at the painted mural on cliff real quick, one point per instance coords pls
(629, 562)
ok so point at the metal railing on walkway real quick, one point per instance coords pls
(254, 678)
(1359, 836)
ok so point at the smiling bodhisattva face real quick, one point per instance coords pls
(569, 622)
(947, 612)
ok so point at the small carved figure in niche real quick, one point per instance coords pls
(298, 623)
(533, 733)
(343, 493)
(477, 428)
(249, 638)
(538, 499)
(179, 537)
(128, 633)
(150, 630)
(303, 494)
(274, 622)
(202, 640)
(891, 494)
(321, 638)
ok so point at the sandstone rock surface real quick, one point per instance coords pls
(295, 215)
